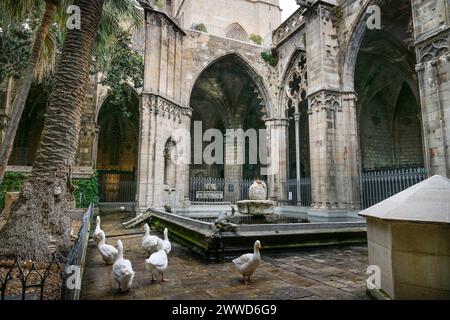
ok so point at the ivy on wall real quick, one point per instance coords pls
(86, 191)
(269, 58)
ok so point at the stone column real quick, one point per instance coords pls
(298, 157)
(277, 171)
(347, 156)
(323, 106)
(432, 51)
(145, 176)
(234, 160)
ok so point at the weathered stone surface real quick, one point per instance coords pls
(256, 207)
(258, 190)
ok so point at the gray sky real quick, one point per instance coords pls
(289, 7)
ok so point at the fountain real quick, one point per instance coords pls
(258, 205)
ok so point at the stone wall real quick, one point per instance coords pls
(258, 17)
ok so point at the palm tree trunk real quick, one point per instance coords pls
(24, 87)
(40, 219)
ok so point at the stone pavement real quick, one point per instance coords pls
(327, 273)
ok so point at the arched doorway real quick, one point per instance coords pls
(30, 127)
(385, 80)
(388, 107)
(226, 97)
(117, 152)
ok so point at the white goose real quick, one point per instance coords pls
(108, 252)
(122, 270)
(167, 246)
(158, 263)
(150, 243)
(98, 230)
(248, 263)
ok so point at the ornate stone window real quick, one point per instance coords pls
(170, 169)
(297, 83)
(237, 32)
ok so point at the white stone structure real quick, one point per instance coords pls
(408, 237)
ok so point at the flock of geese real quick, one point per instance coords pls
(158, 262)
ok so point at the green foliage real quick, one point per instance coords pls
(256, 38)
(125, 66)
(199, 27)
(15, 48)
(269, 58)
(12, 182)
(86, 191)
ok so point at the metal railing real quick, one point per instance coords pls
(77, 255)
(297, 192)
(218, 190)
(377, 186)
(28, 280)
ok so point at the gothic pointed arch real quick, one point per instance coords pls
(236, 31)
(295, 83)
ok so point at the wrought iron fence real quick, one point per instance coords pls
(218, 190)
(297, 192)
(376, 186)
(28, 280)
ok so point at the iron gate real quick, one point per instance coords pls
(117, 186)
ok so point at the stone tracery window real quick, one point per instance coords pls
(297, 83)
(237, 32)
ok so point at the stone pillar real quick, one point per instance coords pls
(234, 160)
(277, 171)
(322, 125)
(145, 176)
(298, 157)
(347, 153)
(332, 117)
(162, 114)
(432, 52)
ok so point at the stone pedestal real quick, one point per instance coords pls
(256, 207)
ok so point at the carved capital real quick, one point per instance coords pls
(325, 100)
(433, 48)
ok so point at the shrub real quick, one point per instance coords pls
(88, 190)
(256, 38)
(269, 58)
(199, 27)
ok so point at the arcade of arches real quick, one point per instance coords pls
(338, 103)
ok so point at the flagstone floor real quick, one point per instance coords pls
(326, 273)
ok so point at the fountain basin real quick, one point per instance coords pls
(200, 236)
(256, 207)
